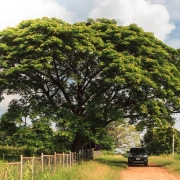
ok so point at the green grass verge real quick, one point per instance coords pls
(103, 168)
(167, 161)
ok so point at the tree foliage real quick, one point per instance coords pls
(159, 141)
(125, 136)
(88, 74)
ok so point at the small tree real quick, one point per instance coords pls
(125, 135)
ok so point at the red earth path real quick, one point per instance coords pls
(152, 172)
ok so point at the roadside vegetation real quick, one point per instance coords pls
(106, 167)
(103, 168)
(2, 168)
(168, 162)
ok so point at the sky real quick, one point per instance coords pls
(162, 17)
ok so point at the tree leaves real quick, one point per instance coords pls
(161, 138)
(96, 70)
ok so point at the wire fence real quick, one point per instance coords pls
(29, 168)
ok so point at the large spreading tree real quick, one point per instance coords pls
(87, 74)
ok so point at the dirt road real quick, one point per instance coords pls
(152, 172)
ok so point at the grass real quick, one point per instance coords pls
(2, 169)
(168, 162)
(103, 168)
(106, 167)
(10, 171)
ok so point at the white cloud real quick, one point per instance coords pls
(13, 12)
(173, 7)
(151, 17)
(4, 103)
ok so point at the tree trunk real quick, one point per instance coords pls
(77, 143)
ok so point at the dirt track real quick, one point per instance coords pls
(152, 172)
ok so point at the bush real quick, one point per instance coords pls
(105, 152)
(10, 153)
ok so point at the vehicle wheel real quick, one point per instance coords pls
(129, 164)
(146, 164)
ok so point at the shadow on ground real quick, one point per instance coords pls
(142, 165)
(111, 162)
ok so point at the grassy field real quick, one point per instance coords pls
(103, 168)
(168, 162)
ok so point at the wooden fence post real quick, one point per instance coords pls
(49, 163)
(63, 159)
(33, 167)
(79, 158)
(74, 158)
(54, 161)
(42, 163)
(21, 167)
(70, 159)
(5, 174)
(92, 153)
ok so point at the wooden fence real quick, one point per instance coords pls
(31, 167)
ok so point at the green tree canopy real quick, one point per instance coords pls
(125, 135)
(159, 141)
(88, 74)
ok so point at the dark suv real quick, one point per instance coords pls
(137, 155)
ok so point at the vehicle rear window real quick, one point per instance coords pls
(137, 150)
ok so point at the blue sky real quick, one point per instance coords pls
(162, 17)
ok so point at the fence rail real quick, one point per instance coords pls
(31, 167)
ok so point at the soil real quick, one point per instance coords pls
(152, 172)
